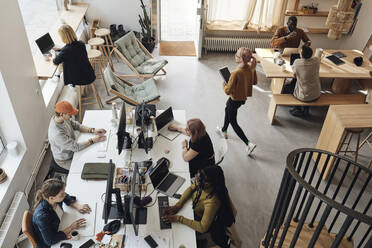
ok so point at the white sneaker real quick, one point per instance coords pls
(221, 133)
(250, 147)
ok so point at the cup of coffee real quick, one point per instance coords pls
(74, 235)
(319, 53)
(282, 67)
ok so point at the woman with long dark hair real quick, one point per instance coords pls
(48, 213)
(199, 150)
(210, 199)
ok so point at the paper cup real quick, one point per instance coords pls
(318, 53)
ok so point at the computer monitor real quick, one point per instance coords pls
(134, 215)
(110, 210)
(124, 140)
(45, 43)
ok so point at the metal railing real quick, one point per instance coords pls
(341, 204)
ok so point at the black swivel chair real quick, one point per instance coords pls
(54, 167)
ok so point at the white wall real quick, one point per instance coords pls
(19, 76)
(363, 29)
(117, 12)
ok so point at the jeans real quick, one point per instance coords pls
(231, 111)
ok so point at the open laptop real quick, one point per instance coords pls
(45, 44)
(162, 123)
(164, 181)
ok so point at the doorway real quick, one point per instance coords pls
(177, 20)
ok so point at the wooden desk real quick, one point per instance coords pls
(338, 119)
(327, 68)
(73, 17)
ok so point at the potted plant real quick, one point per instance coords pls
(147, 40)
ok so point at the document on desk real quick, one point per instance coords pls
(71, 214)
(132, 241)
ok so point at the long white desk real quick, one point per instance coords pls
(102, 119)
(91, 191)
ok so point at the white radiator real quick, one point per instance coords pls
(12, 223)
(231, 44)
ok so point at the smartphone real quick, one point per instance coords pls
(87, 244)
(150, 241)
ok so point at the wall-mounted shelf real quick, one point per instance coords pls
(301, 13)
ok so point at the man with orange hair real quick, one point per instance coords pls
(238, 89)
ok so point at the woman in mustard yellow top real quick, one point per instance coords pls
(209, 199)
(238, 89)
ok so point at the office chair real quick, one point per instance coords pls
(27, 227)
(221, 151)
(54, 167)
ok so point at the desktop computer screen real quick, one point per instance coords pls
(110, 210)
(124, 139)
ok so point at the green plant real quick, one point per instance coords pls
(145, 23)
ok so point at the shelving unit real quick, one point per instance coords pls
(301, 13)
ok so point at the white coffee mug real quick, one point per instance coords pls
(75, 235)
(318, 53)
(282, 67)
(13, 148)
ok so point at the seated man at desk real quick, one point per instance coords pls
(307, 89)
(49, 211)
(199, 152)
(290, 36)
(210, 198)
(62, 137)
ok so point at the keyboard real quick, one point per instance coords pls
(163, 203)
(164, 186)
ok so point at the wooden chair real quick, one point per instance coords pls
(138, 59)
(146, 92)
(27, 227)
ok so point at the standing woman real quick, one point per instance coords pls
(238, 89)
(49, 211)
(77, 69)
(199, 151)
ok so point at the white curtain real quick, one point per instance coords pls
(230, 10)
(268, 14)
(259, 14)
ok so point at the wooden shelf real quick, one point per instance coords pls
(301, 13)
(318, 30)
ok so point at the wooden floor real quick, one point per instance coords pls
(177, 48)
(324, 241)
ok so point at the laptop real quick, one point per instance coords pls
(162, 123)
(164, 181)
(45, 44)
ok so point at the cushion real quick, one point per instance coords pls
(129, 47)
(116, 83)
(146, 91)
(151, 66)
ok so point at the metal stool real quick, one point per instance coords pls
(109, 45)
(349, 135)
(95, 58)
(98, 43)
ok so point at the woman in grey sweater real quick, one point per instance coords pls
(62, 137)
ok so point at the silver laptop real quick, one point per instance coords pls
(164, 181)
(162, 123)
